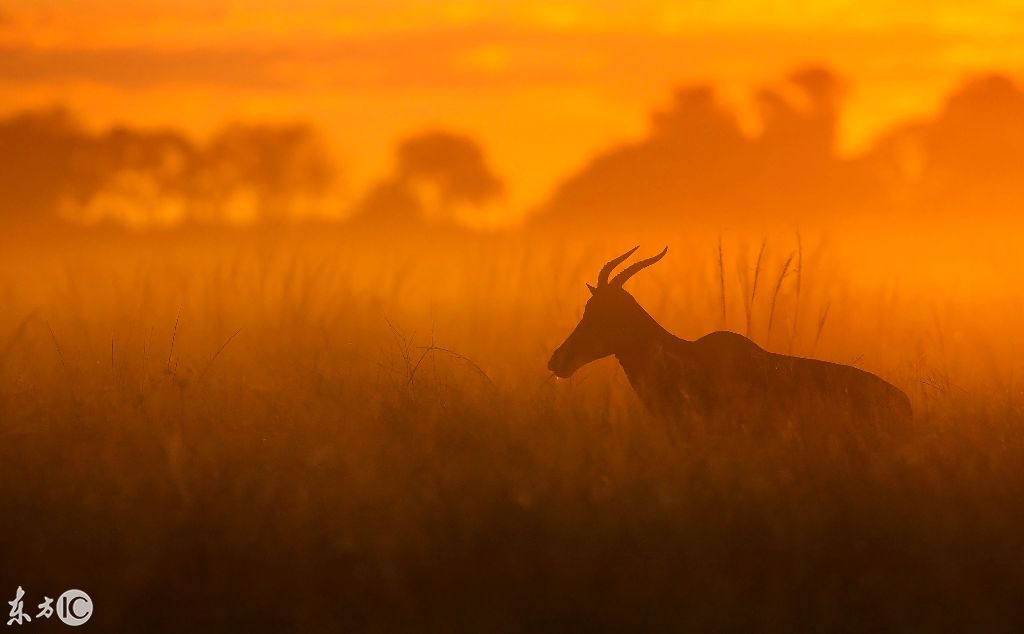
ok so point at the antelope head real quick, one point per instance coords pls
(611, 320)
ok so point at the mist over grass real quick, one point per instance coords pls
(311, 434)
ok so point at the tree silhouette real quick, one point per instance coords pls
(277, 167)
(697, 164)
(53, 169)
(39, 163)
(438, 176)
(965, 161)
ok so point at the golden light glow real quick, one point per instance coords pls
(283, 287)
(507, 73)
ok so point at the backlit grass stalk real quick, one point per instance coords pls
(753, 289)
(721, 279)
(775, 296)
(799, 284)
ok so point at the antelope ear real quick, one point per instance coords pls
(592, 289)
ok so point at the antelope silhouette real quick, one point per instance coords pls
(722, 375)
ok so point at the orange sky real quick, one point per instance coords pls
(541, 85)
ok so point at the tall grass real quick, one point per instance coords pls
(314, 434)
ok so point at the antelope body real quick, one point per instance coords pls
(721, 376)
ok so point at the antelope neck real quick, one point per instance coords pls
(642, 344)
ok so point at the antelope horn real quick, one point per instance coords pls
(635, 267)
(602, 277)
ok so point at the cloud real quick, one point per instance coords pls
(137, 67)
(457, 57)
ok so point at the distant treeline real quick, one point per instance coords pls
(696, 164)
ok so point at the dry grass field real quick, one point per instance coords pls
(307, 432)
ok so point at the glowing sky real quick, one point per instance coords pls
(541, 85)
